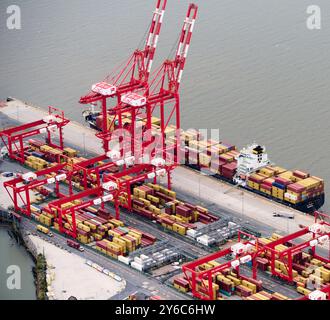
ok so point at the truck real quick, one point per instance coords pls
(44, 230)
(288, 215)
(75, 245)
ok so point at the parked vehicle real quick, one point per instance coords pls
(289, 215)
(44, 230)
(8, 174)
(75, 245)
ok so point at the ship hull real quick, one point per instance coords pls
(308, 206)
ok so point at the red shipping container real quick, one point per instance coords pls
(228, 175)
(232, 166)
(213, 217)
(262, 263)
(268, 182)
(253, 179)
(295, 187)
(283, 181)
(167, 221)
(298, 267)
(266, 187)
(101, 245)
(146, 213)
(149, 237)
(183, 211)
(190, 206)
(82, 232)
(164, 197)
(327, 266)
(181, 282)
(168, 211)
(243, 291)
(300, 174)
(258, 283)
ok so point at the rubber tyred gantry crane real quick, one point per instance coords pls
(308, 237)
(244, 252)
(13, 138)
(89, 197)
(135, 74)
(19, 188)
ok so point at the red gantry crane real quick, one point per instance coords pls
(134, 75)
(90, 197)
(201, 281)
(248, 251)
(19, 188)
(13, 138)
(160, 98)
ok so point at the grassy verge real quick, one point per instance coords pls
(40, 277)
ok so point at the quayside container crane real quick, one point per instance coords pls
(165, 87)
(134, 75)
(162, 98)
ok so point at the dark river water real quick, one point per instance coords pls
(13, 255)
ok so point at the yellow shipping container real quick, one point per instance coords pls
(147, 203)
(204, 160)
(268, 171)
(70, 152)
(117, 223)
(265, 191)
(182, 289)
(97, 237)
(303, 291)
(136, 237)
(323, 273)
(236, 281)
(222, 278)
(153, 199)
(180, 229)
(253, 185)
(90, 225)
(250, 285)
(309, 183)
(286, 175)
(276, 236)
(317, 262)
(83, 239)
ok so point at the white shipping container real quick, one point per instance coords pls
(125, 260)
(204, 240)
(231, 224)
(137, 266)
(138, 260)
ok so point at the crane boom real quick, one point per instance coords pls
(135, 73)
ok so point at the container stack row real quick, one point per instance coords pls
(155, 202)
(309, 274)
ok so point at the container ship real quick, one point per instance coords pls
(249, 168)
